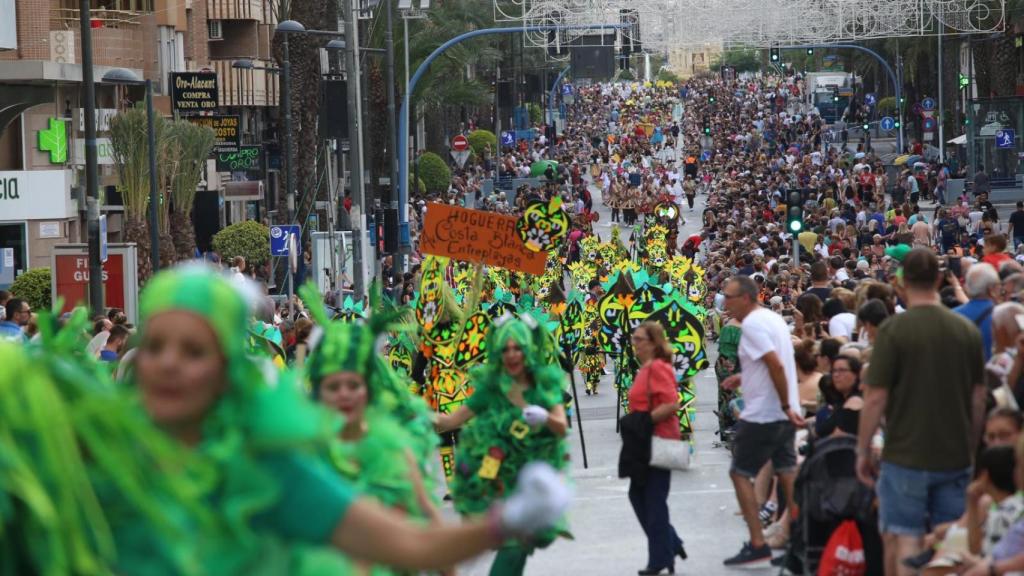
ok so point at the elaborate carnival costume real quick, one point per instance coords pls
(87, 484)
(398, 439)
(497, 443)
(278, 502)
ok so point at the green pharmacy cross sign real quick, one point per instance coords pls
(55, 141)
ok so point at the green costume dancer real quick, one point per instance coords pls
(69, 441)
(517, 417)
(250, 425)
(388, 439)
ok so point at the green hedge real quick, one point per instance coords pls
(434, 172)
(34, 286)
(250, 240)
(479, 139)
(886, 106)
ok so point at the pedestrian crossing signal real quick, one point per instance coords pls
(774, 54)
(964, 81)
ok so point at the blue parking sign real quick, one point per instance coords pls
(508, 138)
(1006, 138)
(280, 239)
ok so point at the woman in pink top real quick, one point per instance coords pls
(654, 391)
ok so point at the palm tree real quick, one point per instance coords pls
(192, 145)
(130, 144)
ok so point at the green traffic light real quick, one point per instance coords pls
(866, 126)
(810, 51)
(796, 225)
(896, 124)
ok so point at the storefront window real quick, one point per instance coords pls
(13, 236)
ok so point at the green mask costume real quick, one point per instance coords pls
(396, 420)
(83, 475)
(497, 443)
(261, 424)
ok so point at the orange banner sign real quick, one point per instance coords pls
(477, 236)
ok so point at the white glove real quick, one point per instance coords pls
(535, 415)
(541, 497)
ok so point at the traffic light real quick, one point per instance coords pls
(964, 81)
(711, 99)
(896, 124)
(810, 51)
(774, 54)
(866, 126)
(706, 127)
(835, 94)
(795, 211)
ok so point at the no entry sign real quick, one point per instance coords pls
(460, 143)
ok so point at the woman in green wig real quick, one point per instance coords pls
(387, 439)
(517, 418)
(263, 438)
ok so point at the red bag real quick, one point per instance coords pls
(844, 553)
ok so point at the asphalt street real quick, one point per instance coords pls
(608, 539)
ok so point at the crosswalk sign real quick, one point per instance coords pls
(1006, 138)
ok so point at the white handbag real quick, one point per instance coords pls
(670, 454)
(667, 453)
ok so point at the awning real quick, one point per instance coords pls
(960, 140)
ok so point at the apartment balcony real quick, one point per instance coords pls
(258, 10)
(242, 87)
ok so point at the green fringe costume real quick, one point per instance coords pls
(497, 442)
(68, 442)
(276, 498)
(396, 420)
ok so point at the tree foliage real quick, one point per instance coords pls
(434, 173)
(33, 286)
(741, 60)
(249, 239)
(480, 139)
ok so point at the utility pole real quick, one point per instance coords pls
(942, 111)
(396, 268)
(289, 175)
(92, 179)
(355, 149)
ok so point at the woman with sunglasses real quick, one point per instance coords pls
(654, 391)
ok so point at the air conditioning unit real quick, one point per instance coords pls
(62, 46)
(214, 30)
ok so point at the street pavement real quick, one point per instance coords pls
(608, 539)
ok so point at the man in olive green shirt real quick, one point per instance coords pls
(926, 378)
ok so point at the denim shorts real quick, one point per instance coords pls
(912, 502)
(754, 444)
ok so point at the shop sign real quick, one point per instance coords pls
(245, 159)
(55, 141)
(104, 152)
(225, 130)
(70, 280)
(194, 91)
(35, 195)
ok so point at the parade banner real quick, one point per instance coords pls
(478, 236)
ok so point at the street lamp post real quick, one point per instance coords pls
(122, 76)
(288, 27)
(92, 179)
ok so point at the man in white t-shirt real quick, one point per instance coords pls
(766, 431)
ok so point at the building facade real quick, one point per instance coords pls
(41, 118)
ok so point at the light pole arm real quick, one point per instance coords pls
(888, 70)
(403, 118)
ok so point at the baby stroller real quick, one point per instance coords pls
(827, 492)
